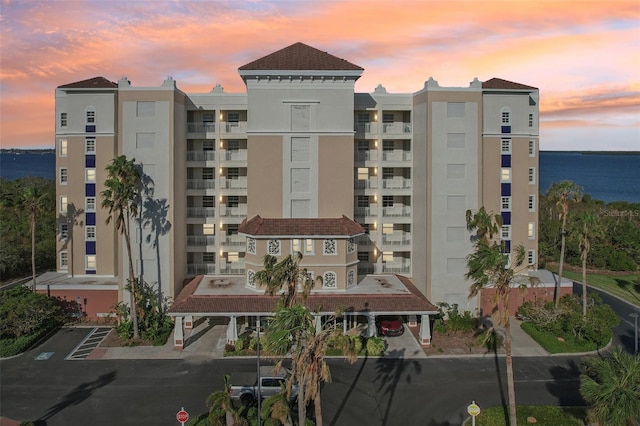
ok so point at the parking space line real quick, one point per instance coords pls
(89, 343)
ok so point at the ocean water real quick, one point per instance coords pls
(606, 177)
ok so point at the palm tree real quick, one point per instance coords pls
(487, 266)
(563, 193)
(277, 407)
(292, 332)
(286, 273)
(484, 224)
(589, 228)
(222, 400)
(34, 201)
(121, 199)
(611, 387)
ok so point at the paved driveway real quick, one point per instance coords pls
(405, 346)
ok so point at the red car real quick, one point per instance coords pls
(390, 325)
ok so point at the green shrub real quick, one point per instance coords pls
(376, 346)
(451, 320)
(357, 343)
(24, 312)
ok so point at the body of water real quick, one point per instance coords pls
(606, 177)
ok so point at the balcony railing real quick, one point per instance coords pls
(396, 127)
(397, 210)
(397, 182)
(201, 127)
(365, 268)
(369, 155)
(201, 212)
(234, 126)
(397, 238)
(366, 211)
(201, 240)
(366, 127)
(233, 268)
(239, 211)
(201, 184)
(239, 183)
(201, 268)
(234, 155)
(396, 155)
(396, 267)
(201, 155)
(364, 184)
(234, 240)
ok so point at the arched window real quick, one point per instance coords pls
(329, 280)
(251, 278)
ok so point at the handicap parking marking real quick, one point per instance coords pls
(43, 356)
(89, 343)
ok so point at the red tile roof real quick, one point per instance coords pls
(299, 56)
(498, 83)
(411, 301)
(300, 227)
(92, 83)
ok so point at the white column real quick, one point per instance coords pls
(345, 318)
(371, 325)
(178, 334)
(318, 323)
(232, 331)
(425, 331)
(188, 322)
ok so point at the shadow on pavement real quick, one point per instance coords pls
(566, 385)
(336, 416)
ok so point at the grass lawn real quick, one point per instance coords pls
(550, 342)
(626, 287)
(545, 415)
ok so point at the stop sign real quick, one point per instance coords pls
(182, 416)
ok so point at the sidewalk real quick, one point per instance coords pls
(206, 342)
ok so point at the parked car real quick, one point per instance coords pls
(270, 384)
(390, 325)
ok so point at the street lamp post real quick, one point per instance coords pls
(635, 315)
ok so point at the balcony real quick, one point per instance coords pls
(201, 155)
(234, 240)
(396, 155)
(400, 266)
(371, 211)
(366, 268)
(396, 182)
(233, 268)
(233, 155)
(239, 183)
(201, 212)
(364, 128)
(201, 184)
(371, 183)
(367, 155)
(397, 210)
(201, 268)
(201, 240)
(201, 127)
(235, 211)
(397, 128)
(233, 127)
(397, 238)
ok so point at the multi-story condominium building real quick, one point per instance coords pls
(362, 184)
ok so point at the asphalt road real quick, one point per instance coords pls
(429, 392)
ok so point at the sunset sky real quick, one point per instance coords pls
(584, 56)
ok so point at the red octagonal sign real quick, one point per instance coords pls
(182, 416)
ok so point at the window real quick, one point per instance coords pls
(532, 203)
(506, 232)
(363, 145)
(63, 119)
(330, 247)
(505, 147)
(363, 201)
(233, 257)
(251, 278)
(505, 203)
(208, 145)
(532, 148)
(296, 246)
(351, 245)
(207, 173)
(388, 118)
(329, 280)
(62, 148)
(207, 258)
(90, 175)
(64, 231)
(387, 201)
(91, 116)
(90, 204)
(207, 117)
(530, 120)
(387, 173)
(388, 145)
(208, 229)
(233, 173)
(273, 247)
(363, 117)
(531, 230)
(363, 173)
(63, 204)
(308, 245)
(208, 201)
(505, 175)
(233, 118)
(251, 245)
(63, 175)
(387, 257)
(387, 228)
(531, 257)
(90, 262)
(532, 175)
(233, 201)
(90, 146)
(505, 116)
(90, 233)
(64, 260)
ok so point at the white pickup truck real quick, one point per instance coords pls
(270, 384)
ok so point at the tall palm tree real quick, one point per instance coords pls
(484, 224)
(487, 266)
(563, 193)
(34, 201)
(222, 400)
(589, 229)
(611, 387)
(286, 273)
(120, 198)
(277, 407)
